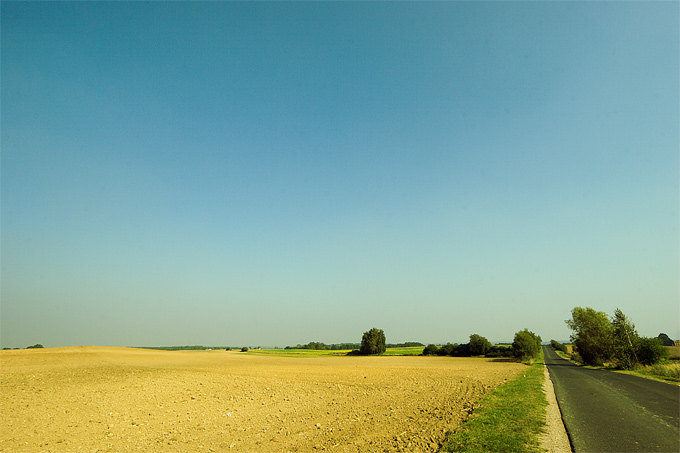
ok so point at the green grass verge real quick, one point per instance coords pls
(665, 372)
(511, 418)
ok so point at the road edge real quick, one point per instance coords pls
(555, 438)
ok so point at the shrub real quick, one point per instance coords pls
(558, 346)
(244, 349)
(373, 342)
(461, 350)
(499, 351)
(526, 345)
(35, 346)
(478, 344)
(448, 349)
(431, 349)
(650, 351)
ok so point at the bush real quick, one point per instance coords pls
(35, 346)
(526, 345)
(499, 351)
(244, 349)
(650, 351)
(448, 349)
(461, 350)
(373, 342)
(478, 344)
(431, 349)
(576, 357)
(556, 345)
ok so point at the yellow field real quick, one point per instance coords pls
(119, 399)
(673, 351)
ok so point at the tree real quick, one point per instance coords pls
(373, 342)
(526, 345)
(665, 340)
(35, 346)
(431, 349)
(593, 335)
(478, 344)
(625, 340)
(558, 346)
(651, 351)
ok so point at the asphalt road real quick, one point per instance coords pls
(605, 411)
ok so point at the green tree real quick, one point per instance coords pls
(431, 349)
(526, 345)
(373, 342)
(665, 340)
(651, 351)
(593, 335)
(35, 346)
(479, 345)
(558, 346)
(625, 340)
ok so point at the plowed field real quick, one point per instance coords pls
(118, 400)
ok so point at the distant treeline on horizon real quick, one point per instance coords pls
(344, 346)
(311, 345)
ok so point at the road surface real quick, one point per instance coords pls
(605, 411)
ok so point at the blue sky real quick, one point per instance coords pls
(276, 173)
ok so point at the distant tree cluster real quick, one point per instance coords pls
(665, 340)
(477, 346)
(35, 346)
(408, 344)
(600, 339)
(525, 347)
(326, 347)
(556, 345)
(345, 346)
(373, 342)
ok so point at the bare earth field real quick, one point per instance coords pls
(98, 399)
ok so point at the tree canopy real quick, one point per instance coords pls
(373, 342)
(599, 340)
(592, 335)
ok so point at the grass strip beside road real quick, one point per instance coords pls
(511, 418)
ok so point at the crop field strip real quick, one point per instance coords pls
(119, 399)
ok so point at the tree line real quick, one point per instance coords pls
(600, 339)
(525, 346)
(344, 346)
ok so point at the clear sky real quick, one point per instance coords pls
(277, 173)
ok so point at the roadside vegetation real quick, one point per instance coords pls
(525, 347)
(667, 371)
(613, 343)
(510, 418)
(600, 340)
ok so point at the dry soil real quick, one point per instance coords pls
(119, 399)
